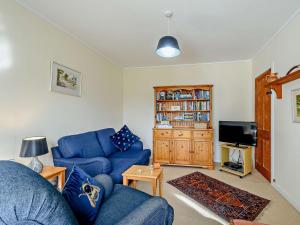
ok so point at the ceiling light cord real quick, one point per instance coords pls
(169, 26)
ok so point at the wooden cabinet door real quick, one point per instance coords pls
(181, 152)
(202, 152)
(162, 151)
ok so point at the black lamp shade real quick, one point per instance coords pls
(168, 47)
(34, 146)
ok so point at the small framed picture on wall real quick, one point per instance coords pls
(296, 105)
(65, 80)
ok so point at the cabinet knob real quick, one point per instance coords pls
(180, 134)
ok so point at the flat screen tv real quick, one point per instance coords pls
(237, 132)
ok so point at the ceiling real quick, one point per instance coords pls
(127, 31)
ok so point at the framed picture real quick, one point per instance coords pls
(65, 80)
(296, 105)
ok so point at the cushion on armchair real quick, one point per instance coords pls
(84, 196)
(84, 145)
(124, 139)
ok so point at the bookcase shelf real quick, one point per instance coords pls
(174, 111)
(183, 106)
(183, 100)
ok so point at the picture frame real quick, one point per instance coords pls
(296, 105)
(65, 80)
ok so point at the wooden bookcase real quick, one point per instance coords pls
(182, 133)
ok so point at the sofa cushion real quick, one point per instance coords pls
(119, 165)
(84, 145)
(84, 196)
(105, 140)
(140, 156)
(123, 201)
(124, 139)
(121, 161)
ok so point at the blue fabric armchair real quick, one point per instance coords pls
(95, 153)
(27, 198)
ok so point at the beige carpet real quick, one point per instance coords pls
(189, 212)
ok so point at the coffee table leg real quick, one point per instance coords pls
(161, 185)
(61, 181)
(134, 183)
(154, 186)
(125, 181)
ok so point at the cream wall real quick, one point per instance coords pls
(27, 45)
(231, 93)
(284, 51)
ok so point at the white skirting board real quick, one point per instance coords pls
(294, 203)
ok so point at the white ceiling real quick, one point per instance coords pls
(127, 31)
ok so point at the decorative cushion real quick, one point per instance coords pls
(85, 145)
(84, 196)
(124, 139)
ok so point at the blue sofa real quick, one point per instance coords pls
(95, 153)
(28, 199)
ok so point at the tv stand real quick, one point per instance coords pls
(246, 166)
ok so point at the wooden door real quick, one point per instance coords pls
(263, 120)
(202, 152)
(162, 151)
(181, 151)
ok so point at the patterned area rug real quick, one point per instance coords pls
(225, 200)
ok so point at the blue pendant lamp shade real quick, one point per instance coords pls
(168, 47)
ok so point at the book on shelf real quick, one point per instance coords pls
(202, 94)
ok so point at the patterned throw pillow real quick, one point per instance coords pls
(124, 139)
(84, 196)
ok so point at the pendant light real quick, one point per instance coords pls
(168, 46)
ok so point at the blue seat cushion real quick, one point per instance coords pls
(122, 201)
(138, 155)
(84, 196)
(84, 145)
(121, 161)
(105, 140)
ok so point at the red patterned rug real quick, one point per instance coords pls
(225, 200)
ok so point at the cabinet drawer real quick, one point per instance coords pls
(182, 134)
(162, 133)
(202, 134)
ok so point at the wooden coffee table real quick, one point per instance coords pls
(144, 173)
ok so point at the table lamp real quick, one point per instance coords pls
(34, 147)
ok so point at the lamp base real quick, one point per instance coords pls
(36, 165)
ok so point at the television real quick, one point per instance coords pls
(238, 132)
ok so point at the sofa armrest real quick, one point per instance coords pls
(138, 146)
(56, 153)
(156, 210)
(92, 166)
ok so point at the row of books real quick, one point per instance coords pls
(204, 105)
(202, 94)
(199, 117)
(178, 95)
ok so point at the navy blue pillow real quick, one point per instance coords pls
(124, 139)
(84, 196)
